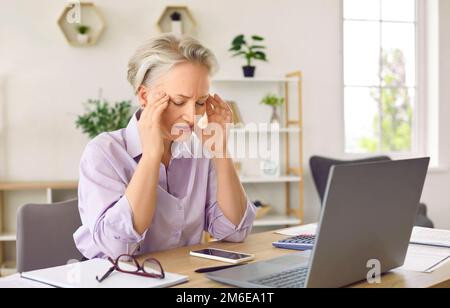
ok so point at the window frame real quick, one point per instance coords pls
(419, 129)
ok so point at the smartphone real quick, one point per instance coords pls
(222, 255)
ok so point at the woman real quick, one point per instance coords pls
(139, 191)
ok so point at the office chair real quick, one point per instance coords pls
(320, 168)
(45, 235)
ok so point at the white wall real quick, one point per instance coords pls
(48, 80)
(2, 122)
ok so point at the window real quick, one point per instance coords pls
(380, 68)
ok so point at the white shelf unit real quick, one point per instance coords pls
(53, 191)
(8, 237)
(8, 268)
(291, 176)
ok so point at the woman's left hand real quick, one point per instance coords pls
(219, 117)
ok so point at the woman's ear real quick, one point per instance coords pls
(143, 94)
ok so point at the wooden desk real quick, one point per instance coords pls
(179, 261)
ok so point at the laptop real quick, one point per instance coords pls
(367, 218)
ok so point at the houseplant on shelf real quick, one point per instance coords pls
(273, 101)
(253, 51)
(101, 117)
(83, 34)
(177, 26)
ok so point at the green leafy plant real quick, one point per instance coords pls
(241, 47)
(83, 29)
(101, 117)
(272, 100)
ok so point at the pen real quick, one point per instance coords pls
(216, 268)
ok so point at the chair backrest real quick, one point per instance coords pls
(320, 169)
(45, 235)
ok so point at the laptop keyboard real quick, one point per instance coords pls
(295, 278)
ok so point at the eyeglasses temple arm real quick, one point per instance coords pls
(108, 273)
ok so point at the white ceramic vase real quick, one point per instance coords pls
(83, 39)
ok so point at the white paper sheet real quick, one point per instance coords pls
(310, 229)
(426, 259)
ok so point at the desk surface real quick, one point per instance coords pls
(179, 261)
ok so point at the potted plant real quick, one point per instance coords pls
(101, 117)
(82, 34)
(177, 26)
(273, 101)
(253, 51)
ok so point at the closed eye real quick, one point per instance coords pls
(178, 103)
(182, 103)
(202, 101)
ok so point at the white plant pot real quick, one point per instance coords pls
(177, 27)
(83, 39)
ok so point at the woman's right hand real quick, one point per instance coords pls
(149, 126)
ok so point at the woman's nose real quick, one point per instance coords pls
(189, 113)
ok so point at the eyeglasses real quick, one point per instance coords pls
(151, 268)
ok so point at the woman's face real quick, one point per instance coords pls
(187, 85)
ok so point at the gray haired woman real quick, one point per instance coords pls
(138, 192)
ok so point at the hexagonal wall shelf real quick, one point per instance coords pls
(188, 23)
(85, 14)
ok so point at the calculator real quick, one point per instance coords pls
(301, 242)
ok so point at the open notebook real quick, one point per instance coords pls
(82, 275)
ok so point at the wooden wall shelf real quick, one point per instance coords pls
(188, 22)
(89, 15)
